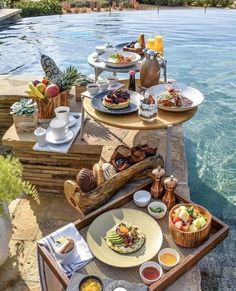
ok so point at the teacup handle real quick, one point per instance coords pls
(66, 130)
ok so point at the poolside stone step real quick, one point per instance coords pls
(9, 15)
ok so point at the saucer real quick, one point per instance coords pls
(72, 121)
(51, 139)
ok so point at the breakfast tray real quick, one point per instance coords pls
(189, 256)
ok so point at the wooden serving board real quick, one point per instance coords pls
(189, 256)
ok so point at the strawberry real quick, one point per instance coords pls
(179, 224)
(109, 100)
(151, 99)
(177, 219)
(185, 227)
(45, 81)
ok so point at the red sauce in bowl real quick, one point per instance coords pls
(150, 273)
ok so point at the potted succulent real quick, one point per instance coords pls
(25, 115)
(11, 186)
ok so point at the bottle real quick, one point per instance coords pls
(150, 70)
(132, 86)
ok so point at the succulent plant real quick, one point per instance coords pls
(24, 106)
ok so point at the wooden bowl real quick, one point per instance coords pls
(190, 239)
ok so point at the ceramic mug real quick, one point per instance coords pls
(63, 112)
(40, 136)
(59, 128)
(112, 81)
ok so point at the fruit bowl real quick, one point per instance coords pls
(190, 239)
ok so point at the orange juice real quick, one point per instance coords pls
(168, 259)
(158, 44)
(150, 43)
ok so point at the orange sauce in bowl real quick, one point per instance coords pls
(168, 259)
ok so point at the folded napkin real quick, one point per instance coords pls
(83, 257)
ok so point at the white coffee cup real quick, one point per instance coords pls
(112, 81)
(40, 136)
(59, 128)
(63, 112)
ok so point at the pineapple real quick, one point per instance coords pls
(67, 79)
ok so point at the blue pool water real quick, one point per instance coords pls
(200, 49)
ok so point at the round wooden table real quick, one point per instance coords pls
(164, 120)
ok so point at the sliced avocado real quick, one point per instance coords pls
(113, 236)
(116, 241)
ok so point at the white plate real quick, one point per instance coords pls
(191, 93)
(51, 139)
(105, 58)
(72, 121)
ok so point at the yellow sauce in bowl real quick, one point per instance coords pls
(168, 259)
(91, 285)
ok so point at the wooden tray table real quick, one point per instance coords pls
(189, 256)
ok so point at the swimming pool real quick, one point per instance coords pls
(198, 47)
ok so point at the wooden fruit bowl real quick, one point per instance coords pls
(190, 239)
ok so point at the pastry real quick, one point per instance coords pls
(148, 150)
(108, 171)
(116, 99)
(98, 174)
(64, 245)
(137, 154)
(86, 180)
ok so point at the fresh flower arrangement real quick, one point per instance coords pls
(11, 182)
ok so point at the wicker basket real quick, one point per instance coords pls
(47, 106)
(190, 239)
(78, 91)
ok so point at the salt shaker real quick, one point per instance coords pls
(157, 188)
(170, 183)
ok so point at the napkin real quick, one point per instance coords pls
(83, 257)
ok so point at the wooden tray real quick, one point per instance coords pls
(189, 256)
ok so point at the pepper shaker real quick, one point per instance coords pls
(170, 183)
(157, 188)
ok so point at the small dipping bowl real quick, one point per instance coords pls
(100, 49)
(103, 85)
(155, 205)
(142, 198)
(91, 279)
(93, 88)
(150, 272)
(168, 258)
(112, 81)
(67, 258)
